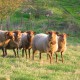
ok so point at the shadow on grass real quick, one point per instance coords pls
(9, 56)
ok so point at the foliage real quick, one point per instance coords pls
(8, 7)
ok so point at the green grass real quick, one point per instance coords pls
(12, 68)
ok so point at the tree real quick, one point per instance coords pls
(8, 7)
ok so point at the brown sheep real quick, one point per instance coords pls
(26, 42)
(5, 38)
(45, 43)
(61, 44)
(14, 44)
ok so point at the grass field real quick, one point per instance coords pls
(12, 68)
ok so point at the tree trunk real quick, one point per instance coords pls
(1, 27)
(8, 23)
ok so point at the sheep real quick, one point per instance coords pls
(61, 44)
(14, 44)
(45, 43)
(26, 42)
(5, 37)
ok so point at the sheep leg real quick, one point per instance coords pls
(29, 52)
(50, 56)
(47, 56)
(3, 52)
(23, 52)
(26, 53)
(33, 55)
(14, 52)
(56, 57)
(18, 52)
(40, 55)
(50, 59)
(62, 56)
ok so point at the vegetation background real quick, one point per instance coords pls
(40, 16)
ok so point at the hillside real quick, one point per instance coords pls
(58, 15)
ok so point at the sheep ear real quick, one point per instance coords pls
(6, 33)
(28, 32)
(34, 32)
(48, 32)
(22, 31)
(15, 31)
(67, 35)
(57, 33)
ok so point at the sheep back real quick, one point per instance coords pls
(40, 42)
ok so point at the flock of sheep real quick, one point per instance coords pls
(50, 42)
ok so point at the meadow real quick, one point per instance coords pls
(65, 18)
(12, 68)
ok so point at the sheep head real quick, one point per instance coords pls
(30, 35)
(9, 35)
(62, 37)
(52, 36)
(17, 34)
